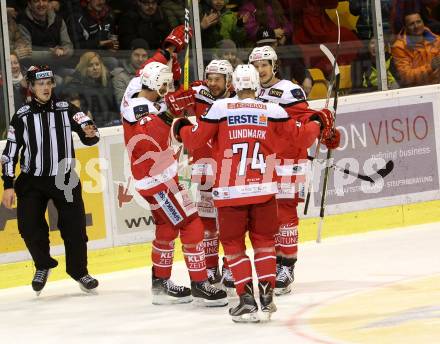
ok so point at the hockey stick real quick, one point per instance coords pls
(373, 178)
(329, 151)
(334, 82)
(187, 26)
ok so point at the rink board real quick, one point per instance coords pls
(403, 125)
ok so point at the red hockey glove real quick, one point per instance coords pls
(333, 141)
(198, 83)
(180, 101)
(179, 124)
(326, 118)
(177, 37)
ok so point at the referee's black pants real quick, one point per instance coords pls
(33, 194)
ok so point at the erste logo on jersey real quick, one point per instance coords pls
(245, 119)
(140, 111)
(274, 92)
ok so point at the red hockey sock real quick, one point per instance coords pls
(265, 266)
(162, 256)
(241, 269)
(211, 251)
(195, 262)
(287, 240)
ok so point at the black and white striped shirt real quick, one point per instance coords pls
(43, 133)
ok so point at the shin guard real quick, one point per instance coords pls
(242, 271)
(195, 262)
(162, 256)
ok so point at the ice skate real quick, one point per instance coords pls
(214, 276)
(39, 280)
(207, 295)
(247, 309)
(88, 284)
(284, 280)
(267, 305)
(227, 282)
(165, 292)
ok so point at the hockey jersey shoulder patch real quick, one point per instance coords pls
(140, 111)
(62, 104)
(23, 109)
(298, 94)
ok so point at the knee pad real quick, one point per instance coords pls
(166, 232)
(192, 232)
(262, 240)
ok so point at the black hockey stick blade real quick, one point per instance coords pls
(383, 172)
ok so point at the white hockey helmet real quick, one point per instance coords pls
(155, 74)
(220, 67)
(245, 77)
(263, 53)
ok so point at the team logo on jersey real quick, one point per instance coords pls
(206, 94)
(140, 111)
(260, 120)
(274, 92)
(298, 94)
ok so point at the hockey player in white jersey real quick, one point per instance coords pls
(147, 123)
(292, 171)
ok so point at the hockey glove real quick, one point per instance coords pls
(177, 37)
(179, 101)
(333, 141)
(198, 83)
(178, 124)
(326, 118)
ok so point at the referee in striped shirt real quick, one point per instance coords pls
(41, 132)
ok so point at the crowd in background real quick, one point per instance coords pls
(96, 46)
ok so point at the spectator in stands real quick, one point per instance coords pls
(416, 52)
(218, 23)
(147, 21)
(93, 28)
(17, 44)
(19, 84)
(290, 61)
(364, 25)
(45, 31)
(92, 83)
(364, 75)
(313, 26)
(174, 10)
(264, 13)
(227, 50)
(123, 75)
(424, 7)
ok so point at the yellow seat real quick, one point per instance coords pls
(345, 17)
(345, 82)
(319, 89)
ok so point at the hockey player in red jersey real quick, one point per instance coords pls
(146, 123)
(293, 168)
(172, 45)
(217, 84)
(245, 135)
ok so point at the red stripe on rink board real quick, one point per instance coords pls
(293, 325)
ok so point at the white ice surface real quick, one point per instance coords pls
(122, 311)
